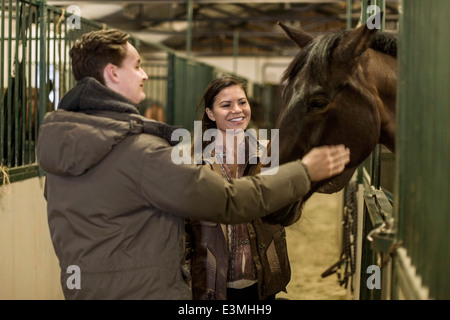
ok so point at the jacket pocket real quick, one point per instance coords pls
(278, 274)
(204, 266)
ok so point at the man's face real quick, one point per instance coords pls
(131, 76)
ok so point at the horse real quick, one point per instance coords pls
(21, 114)
(339, 89)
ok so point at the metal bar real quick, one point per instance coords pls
(274, 18)
(47, 59)
(54, 63)
(21, 173)
(372, 208)
(67, 47)
(30, 109)
(17, 79)
(36, 74)
(365, 4)
(189, 15)
(235, 50)
(2, 73)
(382, 5)
(170, 88)
(349, 13)
(6, 114)
(42, 59)
(21, 123)
(42, 64)
(376, 163)
(57, 62)
(62, 85)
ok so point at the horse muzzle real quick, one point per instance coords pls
(337, 183)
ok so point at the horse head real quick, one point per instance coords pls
(339, 89)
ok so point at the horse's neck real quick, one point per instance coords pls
(384, 68)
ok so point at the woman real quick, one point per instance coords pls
(244, 261)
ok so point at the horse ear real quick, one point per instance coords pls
(301, 38)
(355, 43)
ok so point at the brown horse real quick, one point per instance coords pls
(339, 89)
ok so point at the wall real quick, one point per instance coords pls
(261, 70)
(28, 265)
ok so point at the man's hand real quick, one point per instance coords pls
(326, 161)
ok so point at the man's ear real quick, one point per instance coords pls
(110, 74)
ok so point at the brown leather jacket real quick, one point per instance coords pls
(208, 255)
(210, 259)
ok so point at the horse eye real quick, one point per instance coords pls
(318, 104)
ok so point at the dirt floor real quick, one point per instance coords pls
(313, 246)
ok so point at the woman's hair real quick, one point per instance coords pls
(94, 50)
(207, 101)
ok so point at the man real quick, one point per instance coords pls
(116, 202)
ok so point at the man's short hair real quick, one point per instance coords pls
(94, 50)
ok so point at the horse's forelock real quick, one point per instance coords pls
(296, 65)
(321, 54)
(315, 57)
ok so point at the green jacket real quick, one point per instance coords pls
(116, 202)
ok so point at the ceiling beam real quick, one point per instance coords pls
(280, 17)
(196, 1)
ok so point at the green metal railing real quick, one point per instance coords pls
(34, 45)
(422, 202)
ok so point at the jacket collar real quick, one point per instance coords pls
(89, 95)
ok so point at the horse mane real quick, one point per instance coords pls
(386, 42)
(318, 53)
